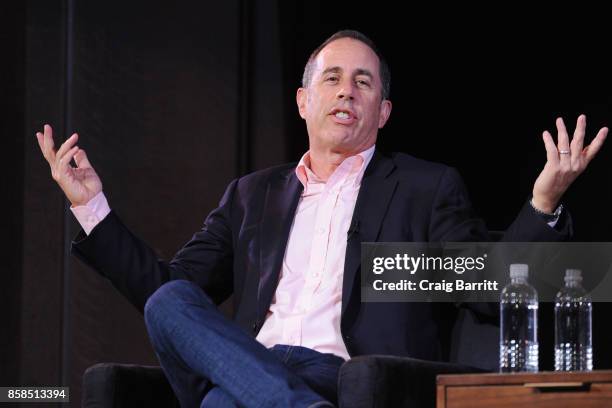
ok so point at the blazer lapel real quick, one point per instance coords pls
(373, 200)
(282, 197)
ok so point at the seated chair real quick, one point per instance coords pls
(364, 381)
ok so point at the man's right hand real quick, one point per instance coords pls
(80, 183)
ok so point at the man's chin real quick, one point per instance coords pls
(338, 144)
(339, 136)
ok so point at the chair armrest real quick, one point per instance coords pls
(388, 381)
(110, 385)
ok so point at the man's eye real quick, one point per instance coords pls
(363, 82)
(332, 79)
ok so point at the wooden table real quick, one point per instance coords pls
(540, 390)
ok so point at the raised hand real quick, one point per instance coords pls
(565, 162)
(80, 183)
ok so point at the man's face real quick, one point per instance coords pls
(342, 105)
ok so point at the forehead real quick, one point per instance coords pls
(349, 55)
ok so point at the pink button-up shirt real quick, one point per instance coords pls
(306, 307)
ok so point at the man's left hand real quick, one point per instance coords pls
(565, 162)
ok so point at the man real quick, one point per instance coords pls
(286, 242)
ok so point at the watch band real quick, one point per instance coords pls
(547, 216)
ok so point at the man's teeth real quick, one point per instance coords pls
(342, 115)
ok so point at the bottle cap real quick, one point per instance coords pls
(573, 275)
(519, 271)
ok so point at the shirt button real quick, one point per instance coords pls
(321, 230)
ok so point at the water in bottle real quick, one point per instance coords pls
(573, 319)
(518, 349)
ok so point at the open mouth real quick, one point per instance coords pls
(343, 116)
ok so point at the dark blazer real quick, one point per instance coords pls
(241, 246)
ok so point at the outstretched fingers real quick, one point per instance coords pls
(46, 144)
(591, 150)
(578, 139)
(552, 155)
(66, 146)
(563, 144)
(63, 164)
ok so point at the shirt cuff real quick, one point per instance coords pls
(92, 213)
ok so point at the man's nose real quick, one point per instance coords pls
(345, 92)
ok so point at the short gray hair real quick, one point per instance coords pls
(385, 73)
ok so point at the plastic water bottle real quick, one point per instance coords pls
(518, 348)
(573, 330)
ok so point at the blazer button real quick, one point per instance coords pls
(254, 327)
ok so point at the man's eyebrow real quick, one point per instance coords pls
(357, 72)
(335, 70)
(363, 71)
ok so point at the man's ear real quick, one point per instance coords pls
(385, 112)
(300, 98)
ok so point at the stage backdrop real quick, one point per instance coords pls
(173, 101)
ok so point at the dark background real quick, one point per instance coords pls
(172, 101)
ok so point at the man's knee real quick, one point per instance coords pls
(171, 295)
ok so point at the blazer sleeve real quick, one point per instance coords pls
(134, 269)
(453, 219)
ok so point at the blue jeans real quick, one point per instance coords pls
(211, 362)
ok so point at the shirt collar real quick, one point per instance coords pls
(355, 164)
